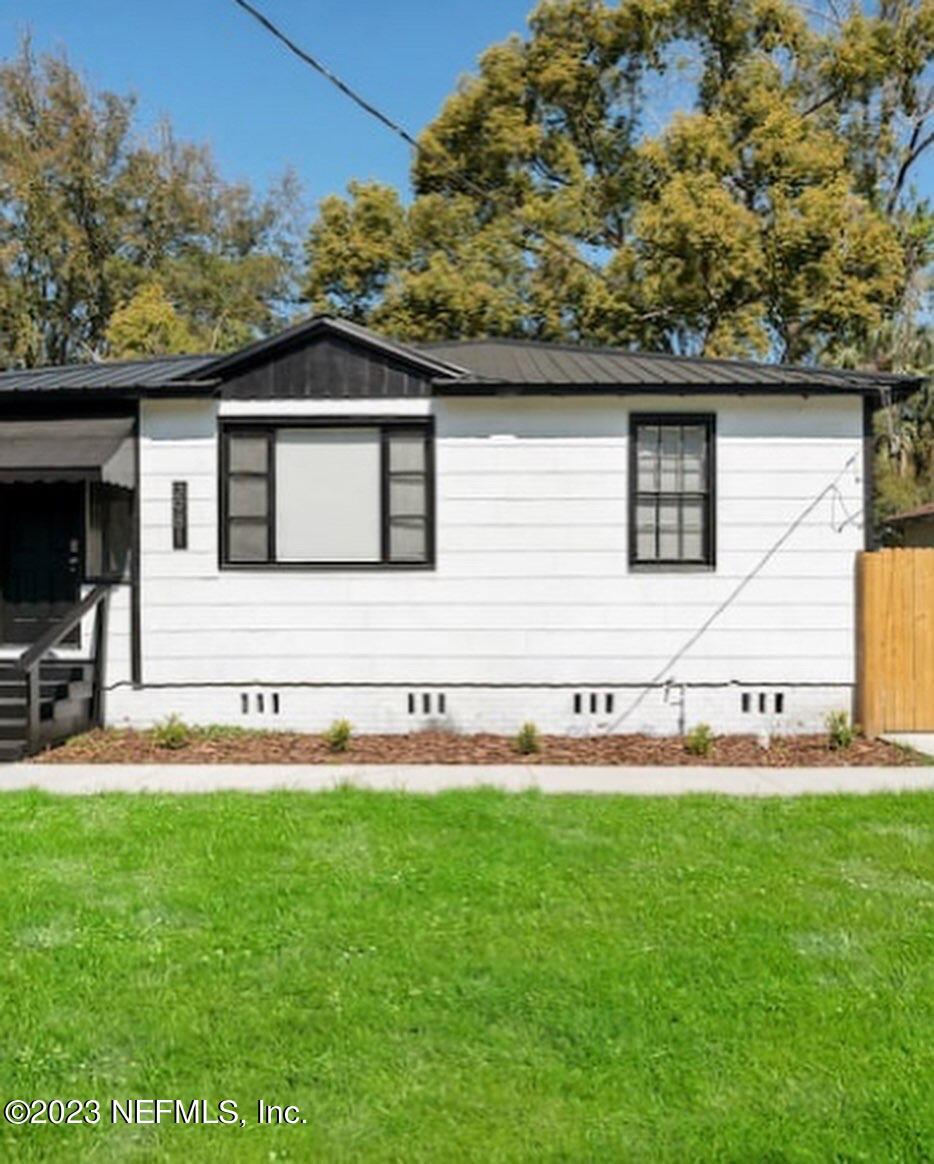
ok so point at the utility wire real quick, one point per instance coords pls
(770, 553)
(420, 148)
(327, 73)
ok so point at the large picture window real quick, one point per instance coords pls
(340, 494)
(672, 476)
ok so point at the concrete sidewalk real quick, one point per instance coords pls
(921, 741)
(85, 779)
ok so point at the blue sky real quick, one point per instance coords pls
(222, 79)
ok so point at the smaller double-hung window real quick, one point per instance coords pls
(339, 494)
(672, 475)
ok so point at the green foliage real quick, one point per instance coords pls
(172, 733)
(841, 731)
(473, 977)
(528, 741)
(904, 466)
(337, 737)
(147, 325)
(775, 215)
(94, 218)
(700, 740)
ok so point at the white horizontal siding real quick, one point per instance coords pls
(532, 583)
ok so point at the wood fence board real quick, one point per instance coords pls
(895, 646)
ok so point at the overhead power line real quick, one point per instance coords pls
(466, 182)
(328, 74)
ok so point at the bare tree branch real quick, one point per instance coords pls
(915, 148)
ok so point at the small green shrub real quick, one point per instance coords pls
(699, 740)
(527, 741)
(337, 737)
(223, 732)
(171, 733)
(841, 730)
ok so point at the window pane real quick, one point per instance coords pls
(406, 452)
(693, 458)
(328, 495)
(668, 548)
(407, 540)
(645, 531)
(247, 454)
(118, 534)
(248, 496)
(94, 534)
(109, 531)
(407, 496)
(248, 541)
(647, 452)
(670, 459)
(692, 512)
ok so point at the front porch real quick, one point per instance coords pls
(67, 521)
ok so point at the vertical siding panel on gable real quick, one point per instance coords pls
(329, 368)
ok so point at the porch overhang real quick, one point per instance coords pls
(91, 449)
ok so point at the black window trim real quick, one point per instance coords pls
(709, 421)
(94, 577)
(267, 426)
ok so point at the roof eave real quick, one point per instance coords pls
(475, 387)
(178, 388)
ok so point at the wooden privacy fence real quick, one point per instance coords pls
(896, 641)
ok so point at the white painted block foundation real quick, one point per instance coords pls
(472, 709)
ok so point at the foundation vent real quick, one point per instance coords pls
(594, 702)
(261, 703)
(427, 703)
(762, 703)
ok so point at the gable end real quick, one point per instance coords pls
(327, 367)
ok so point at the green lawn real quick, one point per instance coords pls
(474, 976)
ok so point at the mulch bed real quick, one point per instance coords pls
(216, 747)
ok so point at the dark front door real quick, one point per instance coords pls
(40, 557)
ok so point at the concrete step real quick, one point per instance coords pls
(66, 689)
(13, 729)
(11, 751)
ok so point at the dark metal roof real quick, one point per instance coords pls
(118, 374)
(495, 363)
(204, 373)
(467, 367)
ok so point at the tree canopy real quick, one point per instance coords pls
(93, 218)
(774, 214)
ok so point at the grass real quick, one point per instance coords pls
(475, 976)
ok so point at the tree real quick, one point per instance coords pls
(774, 216)
(904, 432)
(89, 215)
(149, 325)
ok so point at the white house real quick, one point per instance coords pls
(469, 535)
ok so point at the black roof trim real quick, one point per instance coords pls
(291, 337)
(477, 387)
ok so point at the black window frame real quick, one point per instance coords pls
(267, 427)
(708, 563)
(100, 500)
